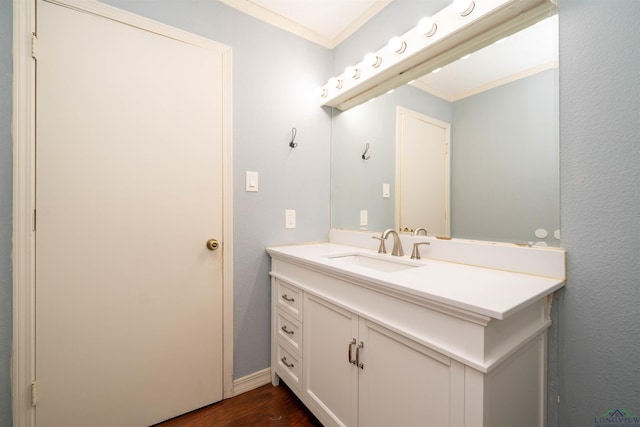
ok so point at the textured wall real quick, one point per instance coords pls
(599, 325)
(5, 210)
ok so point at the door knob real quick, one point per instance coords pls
(212, 244)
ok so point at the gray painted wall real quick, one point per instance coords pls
(504, 162)
(598, 326)
(6, 171)
(593, 344)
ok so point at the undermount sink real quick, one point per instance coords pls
(373, 262)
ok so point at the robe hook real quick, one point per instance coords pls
(364, 155)
(294, 132)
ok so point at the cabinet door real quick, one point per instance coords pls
(330, 381)
(403, 383)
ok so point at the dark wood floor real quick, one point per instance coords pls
(266, 406)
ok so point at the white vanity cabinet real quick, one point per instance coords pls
(360, 373)
(360, 350)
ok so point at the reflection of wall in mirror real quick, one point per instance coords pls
(501, 191)
(505, 170)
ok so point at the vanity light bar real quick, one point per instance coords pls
(435, 42)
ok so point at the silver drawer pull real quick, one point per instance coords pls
(351, 344)
(358, 364)
(287, 298)
(284, 360)
(287, 331)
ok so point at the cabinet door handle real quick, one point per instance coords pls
(358, 364)
(288, 298)
(351, 344)
(284, 360)
(287, 331)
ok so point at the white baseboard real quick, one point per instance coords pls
(251, 381)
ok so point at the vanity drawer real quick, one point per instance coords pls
(288, 367)
(289, 299)
(289, 331)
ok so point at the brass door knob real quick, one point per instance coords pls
(212, 244)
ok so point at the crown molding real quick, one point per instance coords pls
(265, 15)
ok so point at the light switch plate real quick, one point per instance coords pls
(289, 218)
(386, 191)
(251, 181)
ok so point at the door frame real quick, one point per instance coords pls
(23, 392)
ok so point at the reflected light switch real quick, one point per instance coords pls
(289, 218)
(386, 192)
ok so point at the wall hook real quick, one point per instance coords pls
(294, 132)
(364, 155)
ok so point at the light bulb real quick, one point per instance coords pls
(352, 72)
(397, 45)
(322, 92)
(463, 7)
(373, 60)
(427, 27)
(335, 82)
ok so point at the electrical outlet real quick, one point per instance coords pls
(364, 218)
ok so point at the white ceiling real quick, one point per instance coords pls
(329, 22)
(326, 22)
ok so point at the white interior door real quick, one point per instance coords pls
(422, 173)
(128, 191)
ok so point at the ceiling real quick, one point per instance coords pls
(325, 22)
(329, 22)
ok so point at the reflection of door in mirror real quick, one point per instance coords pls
(422, 173)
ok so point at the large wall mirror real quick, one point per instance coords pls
(468, 152)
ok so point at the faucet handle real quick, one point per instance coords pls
(415, 253)
(381, 249)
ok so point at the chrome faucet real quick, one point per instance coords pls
(397, 244)
(417, 231)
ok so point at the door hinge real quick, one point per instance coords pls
(34, 393)
(34, 45)
(33, 221)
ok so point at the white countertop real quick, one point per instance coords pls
(485, 291)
